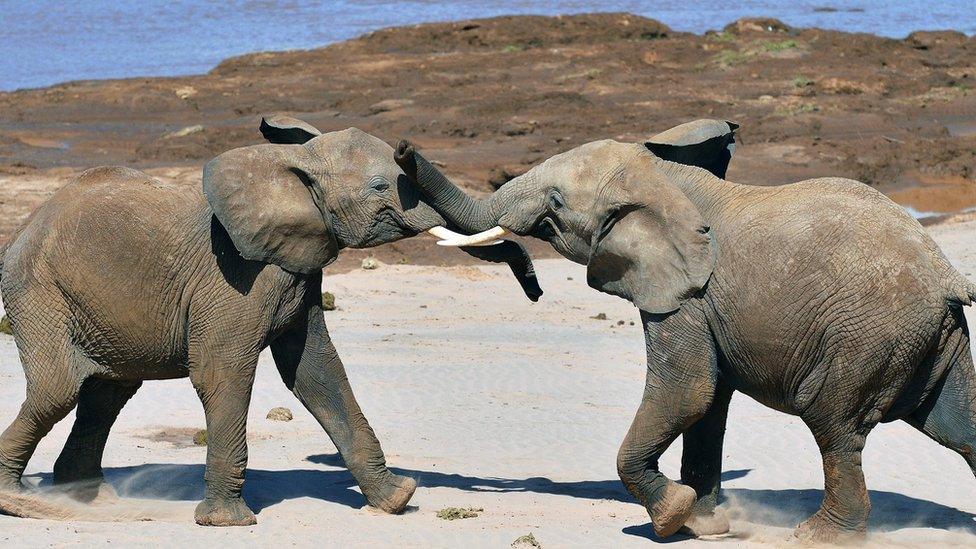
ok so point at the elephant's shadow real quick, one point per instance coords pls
(787, 508)
(779, 508)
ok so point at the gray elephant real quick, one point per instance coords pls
(822, 299)
(121, 278)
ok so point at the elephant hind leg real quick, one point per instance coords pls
(53, 382)
(948, 416)
(80, 462)
(843, 514)
(701, 465)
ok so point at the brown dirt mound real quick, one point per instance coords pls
(489, 98)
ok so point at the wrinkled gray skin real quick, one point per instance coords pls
(121, 278)
(822, 299)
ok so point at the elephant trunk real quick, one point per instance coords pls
(469, 214)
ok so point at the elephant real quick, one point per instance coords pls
(822, 299)
(121, 278)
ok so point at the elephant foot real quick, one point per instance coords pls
(673, 509)
(81, 479)
(821, 529)
(89, 490)
(392, 496)
(224, 512)
(712, 523)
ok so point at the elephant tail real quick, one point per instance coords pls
(972, 293)
(965, 292)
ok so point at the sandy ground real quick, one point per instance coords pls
(488, 401)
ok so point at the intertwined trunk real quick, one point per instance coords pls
(467, 213)
(470, 215)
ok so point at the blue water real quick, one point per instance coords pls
(43, 42)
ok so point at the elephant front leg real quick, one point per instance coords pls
(225, 391)
(680, 387)
(669, 504)
(311, 368)
(701, 466)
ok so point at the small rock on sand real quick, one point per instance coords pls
(389, 105)
(189, 130)
(528, 540)
(185, 92)
(370, 263)
(279, 413)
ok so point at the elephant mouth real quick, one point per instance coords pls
(388, 226)
(549, 228)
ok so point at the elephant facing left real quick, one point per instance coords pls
(121, 278)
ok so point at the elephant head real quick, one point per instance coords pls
(615, 207)
(296, 201)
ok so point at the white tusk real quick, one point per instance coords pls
(444, 233)
(484, 238)
(448, 237)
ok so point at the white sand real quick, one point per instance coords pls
(489, 401)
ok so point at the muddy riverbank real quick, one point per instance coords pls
(490, 98)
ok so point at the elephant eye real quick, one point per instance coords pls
(556, 200)
(379, 184)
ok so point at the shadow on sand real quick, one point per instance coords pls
(787, 508)
(779, 508)
(889, 510)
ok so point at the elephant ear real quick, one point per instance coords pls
(287, 130)
(270, 206)
(654, 250)
(707, 144)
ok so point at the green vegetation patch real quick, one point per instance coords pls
(794, 110)
(800, 81)
(778, 46)
(722, 37)
(456, 513)
(200, 437)
(5, 326)
(328, 301)
(730, 58)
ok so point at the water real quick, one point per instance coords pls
(43, 42)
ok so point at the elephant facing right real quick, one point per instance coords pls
(822, 299)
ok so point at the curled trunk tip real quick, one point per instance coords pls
(403, 155)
